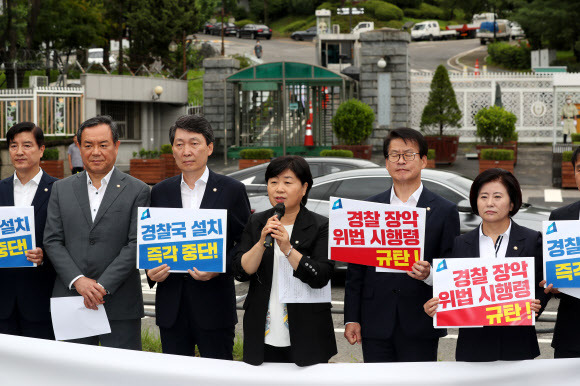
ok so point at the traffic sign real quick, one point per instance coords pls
(350, 11)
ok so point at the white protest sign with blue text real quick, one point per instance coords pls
(561, 248)
(182, 239)
(16, 236)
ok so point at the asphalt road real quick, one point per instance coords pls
(426, 56)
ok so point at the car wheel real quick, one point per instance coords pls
(301, 38)
(430, 38)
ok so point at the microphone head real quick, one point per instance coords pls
(280, 209)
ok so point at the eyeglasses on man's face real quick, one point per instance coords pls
(395, 157)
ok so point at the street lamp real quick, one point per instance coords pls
(157, 91)
(382, 63)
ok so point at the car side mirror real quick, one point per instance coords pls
(464, 206)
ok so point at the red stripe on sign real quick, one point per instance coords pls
(504, 314)
(395, 258)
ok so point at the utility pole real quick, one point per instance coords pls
(223, 46)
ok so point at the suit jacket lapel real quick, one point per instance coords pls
(212, 188)
(7, 191)
(424, 201)
(515, 246)
(301, 226)
(42, 193)
(82, 194)
(114, 188)
(471, 240)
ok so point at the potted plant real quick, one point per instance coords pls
(51, 163)
(431, 158)
(337, 153)
(441, 114)
(496, 158)
(353, 124)
(568, 178)
(253, 157)
(171, 168)
(496, 128)
(147, 166)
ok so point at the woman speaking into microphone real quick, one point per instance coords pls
(300, 333)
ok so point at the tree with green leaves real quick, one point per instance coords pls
(441, 110)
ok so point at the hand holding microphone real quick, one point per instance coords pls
(279, 211)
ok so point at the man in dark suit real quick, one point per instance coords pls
(198, 308)
(25, 305)
(91, 235)
(566, 340)
(384, 311)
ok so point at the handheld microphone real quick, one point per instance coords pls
(279, 211)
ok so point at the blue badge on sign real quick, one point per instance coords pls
(337, 204)
(551, 229)
(441, 266)
(145, 214)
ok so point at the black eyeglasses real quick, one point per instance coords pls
(395, 157)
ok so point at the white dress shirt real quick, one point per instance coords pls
(95, 199)
(488, 249)
(191, 198)
(412, 203)
(24, 194)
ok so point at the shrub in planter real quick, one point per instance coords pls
(171, 168)
(252, 157)
(353, 124)
(147, 166)
(496, 128)
(51, 164)
(568, 178)
(336, 153)
(575, 138)
(441, 116)
(496, 158)
(431, 158)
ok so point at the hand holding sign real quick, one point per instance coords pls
(34, 256)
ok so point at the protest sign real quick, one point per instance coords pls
(476, 292)
(182, 239)
(17, 236)
(561, 247)
(376, 234)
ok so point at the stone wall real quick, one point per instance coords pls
(392, 45)
(216, 70)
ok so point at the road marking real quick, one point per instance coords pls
(459, 66)
(553, 195)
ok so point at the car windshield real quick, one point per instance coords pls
(418, 27)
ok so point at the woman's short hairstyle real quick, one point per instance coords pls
(506, 178)
(297, 164)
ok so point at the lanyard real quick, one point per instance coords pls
(498, 244)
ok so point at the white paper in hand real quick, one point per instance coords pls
(72, 320)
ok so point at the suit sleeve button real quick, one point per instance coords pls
(92, 242)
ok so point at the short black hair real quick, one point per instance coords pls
(195, 123)
(96, 121)
(508, 180)
(575, 157)
(297, 164)
(26, 126)
(406, 134)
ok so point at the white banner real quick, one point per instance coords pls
(27, 361)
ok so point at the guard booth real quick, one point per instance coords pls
(272, 103)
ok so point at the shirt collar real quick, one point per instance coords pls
(36, 178)
(506, 234)
(204, 177)
(104, 181)
(415, 195)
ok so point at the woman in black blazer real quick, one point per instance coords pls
(302, 333)
(496, 196)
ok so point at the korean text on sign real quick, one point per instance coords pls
(484, 292)
(17, 235)
(182, 239)
(561, 247)
(374, 234)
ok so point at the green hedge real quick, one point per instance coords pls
(509, 56)
(567, 156)
(575, 137)
(146, 154)
(382, 11)
(431, 154)
(337, 153)
(244, 22)
(497, 154)
(166, 149)
(50, 154)
(256, 153)
(353, 122)
(425, 11)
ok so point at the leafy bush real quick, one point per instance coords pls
(256, 153)
(353, 122)
(425, 11)
(441, 110)
(166, 149)
(567, 156)
(146, 154)
(244, 22)
(298, 25)
(497, 154)
(431, 154)
(50, 154)
(383, 11)
(244, 61)
(575, 137)
(509, 56)
(495, 125)
(337, 153)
